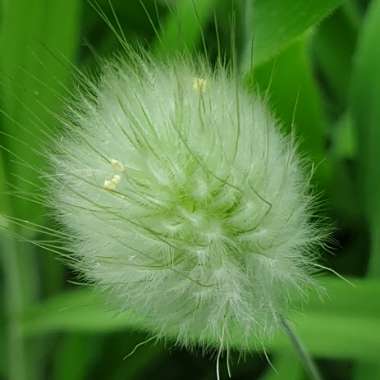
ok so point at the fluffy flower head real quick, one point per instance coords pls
(185, 201)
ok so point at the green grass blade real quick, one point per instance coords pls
(286, 366)
(333, 46)
(329, 329)
(13, 291)
(75, 355)
(366, 116)
(294, 97)
(32, 80)
(16, 354)
(183, 29)
(278, 23)
(28, 74)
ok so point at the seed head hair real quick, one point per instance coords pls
(185, 201)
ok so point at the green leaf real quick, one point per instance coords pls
(80, 310)
(276, 24)
(183, 29)
(74, 357)
(294, 97)
(365, 111)
(333, 46)
(33, 81)
(285, 366)
(366, 116)
(3, 352)
(4, 204)
(146, 356)
(343, 138)
(329, 328)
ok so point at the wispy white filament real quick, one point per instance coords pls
(185, 201)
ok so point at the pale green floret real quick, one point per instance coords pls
(186, 202)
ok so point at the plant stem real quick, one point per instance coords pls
(301, 350)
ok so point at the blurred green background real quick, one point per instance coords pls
(318, 64)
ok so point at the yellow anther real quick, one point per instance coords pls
(110, 184)
(116, 179)
(199, 85)
(117, 165)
